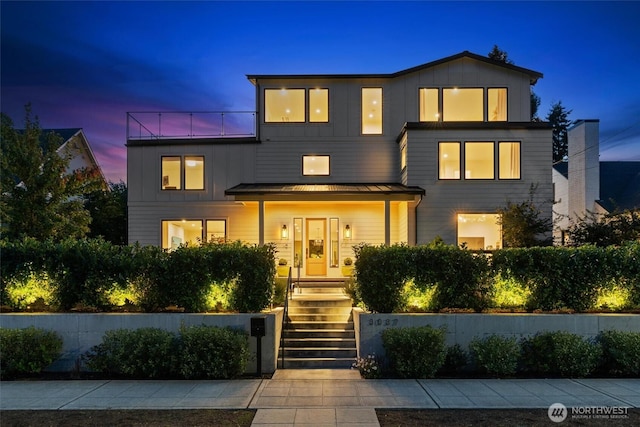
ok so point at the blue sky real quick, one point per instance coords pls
(86, 64)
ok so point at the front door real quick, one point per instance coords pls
(316, 247)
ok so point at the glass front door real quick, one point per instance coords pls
(316, 253)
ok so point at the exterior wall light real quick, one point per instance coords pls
(284, 233)
(347, 231)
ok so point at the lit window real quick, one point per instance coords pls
(194, 173)
(319, 105)
(449, 160)
(429, 105)
(216, 230)
(180, 232)
(371, 111)
(171, 173)
(462, 105)
(479, 231)
(497, 99)
(478, 160)
(315, 165)
(403, 157)
(284, 105)
(509, 158)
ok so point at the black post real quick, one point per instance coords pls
(258, 330)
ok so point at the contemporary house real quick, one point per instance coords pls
(582, 183)
(330, 161)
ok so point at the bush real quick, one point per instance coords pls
(27, 351)
(417, 352)
(212, 352)
(369, 367)
(455, 361)
(620, 352)
(560, 354)
(138, 353)
(495, 355)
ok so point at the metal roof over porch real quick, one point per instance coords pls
(324, 192)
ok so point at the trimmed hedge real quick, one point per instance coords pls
(27, 351)
(415, 352)
(560, 354)
(620, 353)
(495, 355)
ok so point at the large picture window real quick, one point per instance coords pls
(180, 232)
(509, 160)
(479, 231)
(463, 105)
(371, 111)
(478, 160)
(449, 160)
(497, 104)
(318, 105)
(284, 105)
(429, 110)
(315, 165)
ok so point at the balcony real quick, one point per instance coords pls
(143, 125)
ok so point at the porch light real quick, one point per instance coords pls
(347, 231)
(284, 233)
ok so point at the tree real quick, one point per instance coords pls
(559, 118)
(37, 197)
(500, 55)
(613, 228)
(523, 224)
(108, 210)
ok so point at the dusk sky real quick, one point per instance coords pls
(86, 64)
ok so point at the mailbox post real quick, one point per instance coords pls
(258, 330)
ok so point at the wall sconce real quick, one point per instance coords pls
(284, 233)
(347, 232)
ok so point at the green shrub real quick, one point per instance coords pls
(27, 351)
(620, 352)
(495, 355)
(560, 354)
(455, 361)
(417, 352)
(138, 353)
(212, 352)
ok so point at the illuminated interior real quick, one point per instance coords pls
(216, 230)
(194, 173)
(315, 165)
(462, 105)
(479, 231)
(403, 157)
(497, 104)
(284, 105)
(478, 160)
(449, 160)
(429, 105)
(171, 173)
(371, 111)
(179, 232)
(319, 105)
(509, 158)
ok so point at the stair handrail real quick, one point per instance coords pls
(285, 317)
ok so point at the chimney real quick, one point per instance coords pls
(584, 167)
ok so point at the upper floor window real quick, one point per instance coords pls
(449, 160)
(429, 109)
(509, 160)
(478, 160)
(290, 105)
(497, 104)
(173, 168)
(371, 110)
(462, 105)
(315, 165)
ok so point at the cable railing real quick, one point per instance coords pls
(190, 125)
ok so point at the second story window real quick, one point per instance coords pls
(284, 105)
(478, 160)
(318, 105)
(315, 165)
(429, 109)
(509, 160)
(173, 168)
(372, 111)
(449, 160)
(497, 104)
(462, 105)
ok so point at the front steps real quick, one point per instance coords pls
(319, 333)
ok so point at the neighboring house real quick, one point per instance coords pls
(582, 183)
(75, 145)
(336, 160)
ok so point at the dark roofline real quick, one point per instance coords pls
(534, 75)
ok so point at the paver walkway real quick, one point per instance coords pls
(318, 397)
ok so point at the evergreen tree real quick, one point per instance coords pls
(559, 118)
(37, 197)
(108, 209)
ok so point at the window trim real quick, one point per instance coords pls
(315, 155)
(183, 172)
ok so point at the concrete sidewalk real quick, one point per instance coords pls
(318, 397)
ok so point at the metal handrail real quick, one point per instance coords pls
(285, 317)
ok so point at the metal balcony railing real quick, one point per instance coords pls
(190, 125)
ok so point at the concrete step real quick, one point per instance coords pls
(342, 302)
(316, 363)
(329, 317)
(318, 333)
(319, 352)
(320, 342)
(320, 325)
(322, 290)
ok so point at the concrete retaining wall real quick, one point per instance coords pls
(82, 331)
(462, 328)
